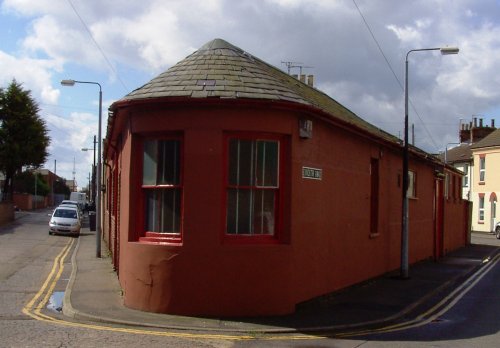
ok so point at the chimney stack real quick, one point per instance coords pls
(303, 78)
(310, 80)
(481, 123)
(492, 123)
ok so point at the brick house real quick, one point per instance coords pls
(232, 188)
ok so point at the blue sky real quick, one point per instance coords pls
(123, 44)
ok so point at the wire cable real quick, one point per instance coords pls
(99, 47)
(392, 70)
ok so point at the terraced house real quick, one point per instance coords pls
(486, 187)
(233, 188)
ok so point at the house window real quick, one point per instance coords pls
(253, 186)
(482, 168)
(375, 195)
(465, 181)
(412, 184)
(481, 208)
(162, 187)
(446, 185)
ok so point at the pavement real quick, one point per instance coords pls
(94, 294)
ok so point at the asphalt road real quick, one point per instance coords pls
(30, 258)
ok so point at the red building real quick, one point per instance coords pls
(233, 188)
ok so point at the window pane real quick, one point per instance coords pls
(149, 162)
(264, 212)
(169, 162)
(239, 211)
(267, 163)
(151, 211)
(163, 210)
(241, 160)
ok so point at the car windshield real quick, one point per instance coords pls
(65, 213)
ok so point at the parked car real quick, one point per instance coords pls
(65, 220)
(497, 230)
(72, 203)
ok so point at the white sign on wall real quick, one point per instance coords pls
(312, 173)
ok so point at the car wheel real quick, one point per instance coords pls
(497, 232)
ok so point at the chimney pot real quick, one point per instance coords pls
(481, 123)
(475, 122)
(492, 123)
(303, 78)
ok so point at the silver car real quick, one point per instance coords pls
(497, 230)
(65, 220)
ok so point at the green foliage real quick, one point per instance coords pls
(61, 188)
(23, 133)
(25, 183)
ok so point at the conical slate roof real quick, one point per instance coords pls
(221, 70)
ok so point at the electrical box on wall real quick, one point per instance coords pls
(305, 129)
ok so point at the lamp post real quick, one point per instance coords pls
(71, 83)
(93, 171)
(404, 219)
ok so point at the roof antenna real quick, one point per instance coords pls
(290, 65)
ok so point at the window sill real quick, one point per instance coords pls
(482, 183)
(161, 238)
(251, 240)
(480, 222)
(374, 235)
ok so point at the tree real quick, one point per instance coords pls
(23, 134)
(25, 183)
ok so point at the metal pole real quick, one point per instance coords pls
(404, 223)
(404, 218)
(98, 191)
(93, 175)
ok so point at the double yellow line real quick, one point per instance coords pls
(437, 310)
(37, 303)
(35, 306)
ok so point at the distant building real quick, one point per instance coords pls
(486, 186)
(73, 187)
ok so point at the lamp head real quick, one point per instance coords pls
(449, 50)
(69, 83)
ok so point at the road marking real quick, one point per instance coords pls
(48, 286)
(35, 298)
(437, 310)
(34, 311)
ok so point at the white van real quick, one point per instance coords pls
(79, 197)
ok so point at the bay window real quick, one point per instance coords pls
(162, 187)
(253, 186)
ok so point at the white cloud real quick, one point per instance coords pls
(34, 74)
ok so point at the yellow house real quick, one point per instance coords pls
(486, 182)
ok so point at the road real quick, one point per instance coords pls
(27, 257)
(30, 258)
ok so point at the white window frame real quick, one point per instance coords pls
(412, 181)
(465, 181)
(482, 168)
(481, 209)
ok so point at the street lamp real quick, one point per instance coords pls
(71, 83)
(93, 171)
(404, 222)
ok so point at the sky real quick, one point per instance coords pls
(355, 49)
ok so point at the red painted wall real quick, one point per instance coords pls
(328, 243)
